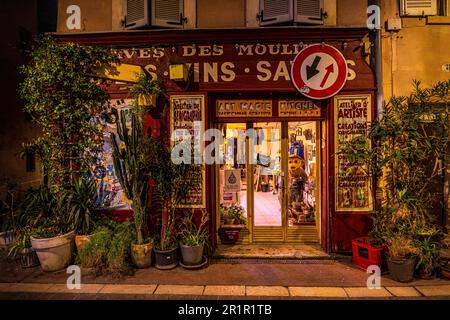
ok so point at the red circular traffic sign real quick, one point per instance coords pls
(319, 71)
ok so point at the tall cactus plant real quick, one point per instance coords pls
(131, 166)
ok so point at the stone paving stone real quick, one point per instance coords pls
(128, 289)
(179, 290)
(363, 292)
(224, 291)
(85, 288)
(273, 291)
(325, 292)
(435, 291)
(25, 287)
(403, 291)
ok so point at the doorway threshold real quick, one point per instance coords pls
(271, 251)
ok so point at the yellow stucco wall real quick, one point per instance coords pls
(417, 51)
(108, 15)
(95, 15)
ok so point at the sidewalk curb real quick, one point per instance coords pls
(228, 291)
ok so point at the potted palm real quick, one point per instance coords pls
(232, 222)
(131, 162)
(193, 239)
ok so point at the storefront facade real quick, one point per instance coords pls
(239, 82)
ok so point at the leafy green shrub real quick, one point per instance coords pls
(94, 254)
(108, 250)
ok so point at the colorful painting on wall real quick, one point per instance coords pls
(110, 191)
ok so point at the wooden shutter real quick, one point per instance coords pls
(167, 13)
(308, 11)
(275, 11)
(136, 13)
(418, 7)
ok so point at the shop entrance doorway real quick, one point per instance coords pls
(275, 174)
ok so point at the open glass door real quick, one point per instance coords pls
(275, 167)
(233, 168)
(303, 182)
(267, 196)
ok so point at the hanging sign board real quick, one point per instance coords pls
(319, 71)
(232, 180)
(353, 190)
(243, 108)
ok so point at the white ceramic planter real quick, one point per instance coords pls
(54, 253)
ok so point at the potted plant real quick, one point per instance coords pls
(172, 185)
(62, 95)
(166, 248)
(81, 200)
(401, 260)
(109, 249)
(411, 132)
(232, 221)
(132, 166)
(51, 235)
(22, 250)
(428, 244)
(193, 238)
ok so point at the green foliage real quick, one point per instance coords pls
(131, 157)
(61, 95)
(413, 131)
(132, 166)
(108, 250)
(191, 234)
(401, 248)
(44, 212)
(428, 244)
(146, 86)
(23, 242)
(232, 214)
(81, 201)
(172, 184)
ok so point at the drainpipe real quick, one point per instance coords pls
(378, 65)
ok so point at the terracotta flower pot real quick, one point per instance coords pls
(141, 254)
(81, 241)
